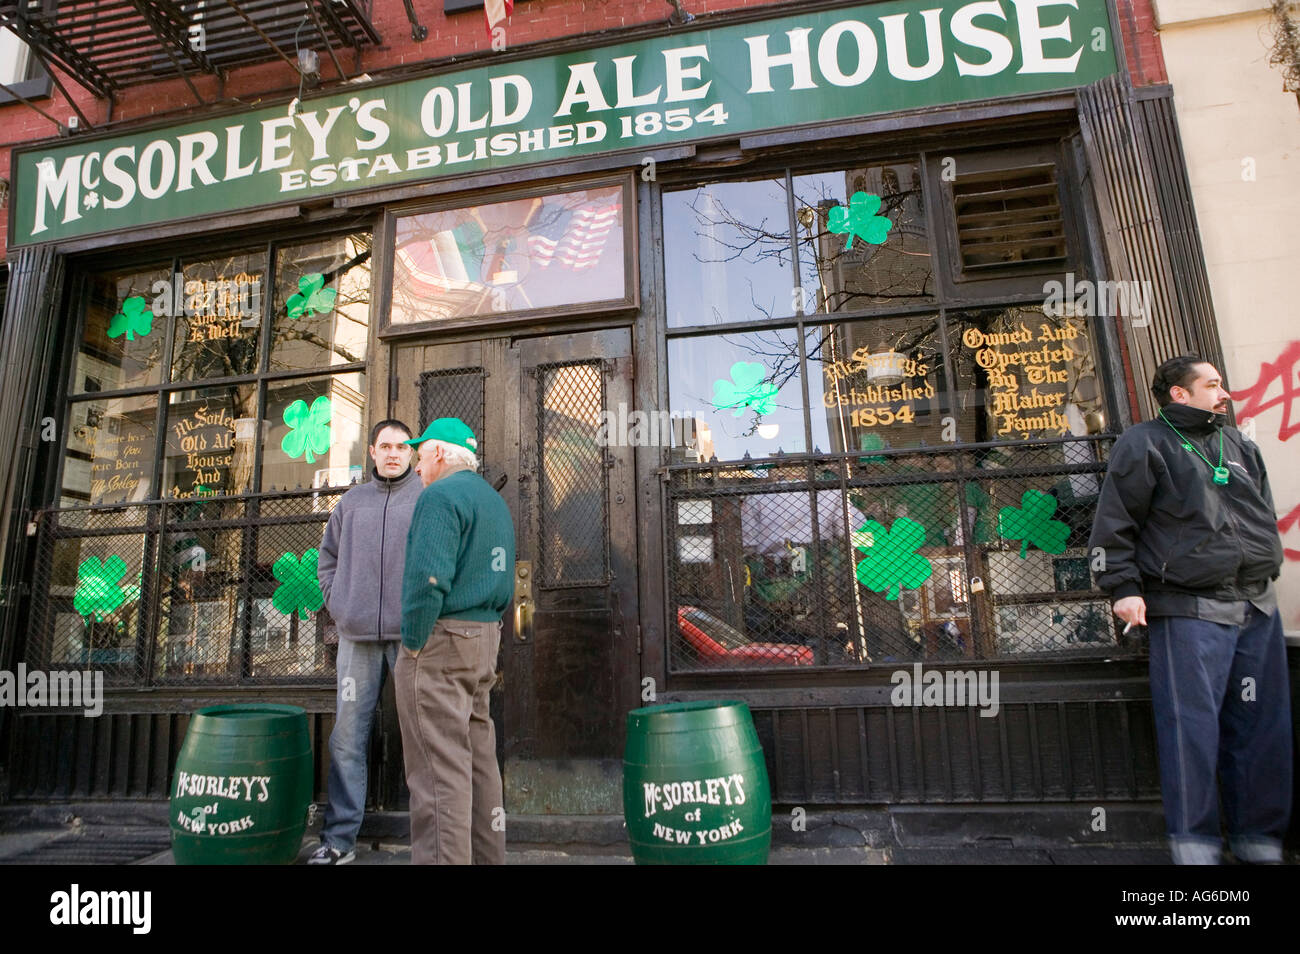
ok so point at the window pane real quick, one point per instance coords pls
(198, 632)
(742, 392)
(875, 384)
(94, 601)
(288, 628)
(542, 252)
(1022, 375)
(322, 303)
(728, 257)
(219, 322)
(573, 516)
(112, 446)
(123, 343)
(742, 583)
(1033, 537)
(863, 240)
(209, 441)
(896, 569)
(314, 433)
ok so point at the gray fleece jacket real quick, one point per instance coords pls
(363, 555)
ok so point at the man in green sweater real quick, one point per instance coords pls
(458, 581)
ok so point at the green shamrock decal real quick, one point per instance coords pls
(860, 219)
(1032, 522)
(746, 389)
(135, 318)
(99, 590)
(299, 590)
(892, 562)
(309, 430)
(313, 297)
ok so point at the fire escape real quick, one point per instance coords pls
(109, 45)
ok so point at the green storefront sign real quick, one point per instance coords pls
(688, 86)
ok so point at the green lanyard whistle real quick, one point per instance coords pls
(1220, 472)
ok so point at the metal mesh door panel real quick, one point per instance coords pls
(573, 511)
(455, 392)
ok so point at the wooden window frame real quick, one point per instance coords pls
(386, 246)
(958, 284)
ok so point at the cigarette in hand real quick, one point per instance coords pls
(1126, 629)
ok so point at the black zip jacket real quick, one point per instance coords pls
(1168, 533)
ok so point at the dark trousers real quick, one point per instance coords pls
(1221, 698)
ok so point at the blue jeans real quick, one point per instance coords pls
(1221, 698)
(360, 668)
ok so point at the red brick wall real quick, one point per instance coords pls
(1146, 62)
(456, 36)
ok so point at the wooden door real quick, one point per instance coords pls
(569, 661)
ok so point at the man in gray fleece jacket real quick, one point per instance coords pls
(362, 557)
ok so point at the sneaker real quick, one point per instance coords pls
(325, 855)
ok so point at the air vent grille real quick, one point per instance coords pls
(1009, 218)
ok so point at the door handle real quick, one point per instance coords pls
(523, 601)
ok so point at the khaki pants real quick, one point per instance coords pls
(449, 745)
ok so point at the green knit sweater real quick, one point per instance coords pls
(460, 556)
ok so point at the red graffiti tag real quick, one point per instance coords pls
(1285, 524)
(1284, 371)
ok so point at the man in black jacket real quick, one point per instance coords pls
(1188, 535)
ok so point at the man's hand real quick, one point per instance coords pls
(1132, 610)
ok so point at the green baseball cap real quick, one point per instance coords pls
(449, 430)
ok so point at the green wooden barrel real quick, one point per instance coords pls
(242, 786)
(695, 787)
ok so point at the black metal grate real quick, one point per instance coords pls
(572, 476)
(456, 392)
(933, 554)
(96, 847)
(215, 591)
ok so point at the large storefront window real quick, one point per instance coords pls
(199, 469)
(884, 471)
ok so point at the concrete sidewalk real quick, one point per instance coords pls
(137, 833)
(87, 846)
